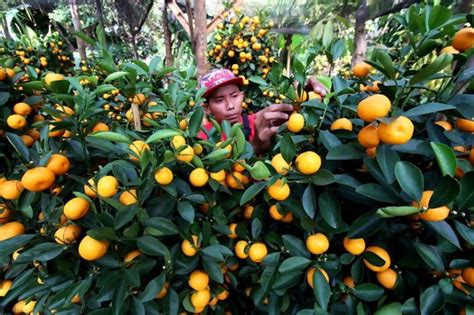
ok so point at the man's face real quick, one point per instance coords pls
(226, 103)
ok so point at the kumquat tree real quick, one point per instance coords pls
(115, 197)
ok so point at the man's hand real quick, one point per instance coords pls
(315, 85)
(267, 122)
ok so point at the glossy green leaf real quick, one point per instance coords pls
(213, 269)
(446, 158)
(19, 145)
(115, 76)
(431, 301)
(287, 147)
(111, 136)
(430, 255)
(295, 245)
(368, 292)
(378, 192)
(251, 192)
(217, 155)
(195, 121)
(162, 134)
(186, 211)
(444, 230)
(321, 289)
(393, 308)
(152, 246)
(467, 233)
(410, 179)
(386, 62)
(330, 209)
(436, 66)
(309, 202)
(387, 158)
(260, 171)
(153, 288)
(426, 47)
(426, 109)
(465, 198)
(346, 152)
(365, 225)
(295, 263)
(446, 191)
(390, 212)
(163, 225)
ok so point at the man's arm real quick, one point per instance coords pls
(267, 122)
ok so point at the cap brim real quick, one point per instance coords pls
(237, 80)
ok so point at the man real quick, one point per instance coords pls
(224, 102)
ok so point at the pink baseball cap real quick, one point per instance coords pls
(216, 78)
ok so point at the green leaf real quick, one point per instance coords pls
(431, 301)
(378, 192)
(162, 134)
(287, 147)
(162, 225)
(217, 155)
(85, 38)
(387, 158)
(386, 62)
(466, 232)
(444, 230)
(436, 66)
(465, 198)
(259, 171)
(365, 225)
(186, 211)
(309, 202)
(427, 108)
(368, 292)
(19, 145)
(104, 89)
(251, 192)
(4, 96)
(119, 297)
(195, 121)
(426, 47)
(346, 152)
(213, 269)
(111, 136)
(393, 308)
(291, 264)
(258, 80)
(321, 289)
(446, 158)
(153, 288)
(390, 212)
(328, 139)
(410, 179)
(295, 245)
(327, 34)
(323, 178)
(330, 209)
(8, 246)
(171, 302)
(115, 76)
(105, 233)
(430, 255)
(152, 246)
(445, 192)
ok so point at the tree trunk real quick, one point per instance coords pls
(201, 36)
(360, 41)
(77, 28)
(191, 25)
(167, 35)
(6, 30)
(99, 13)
